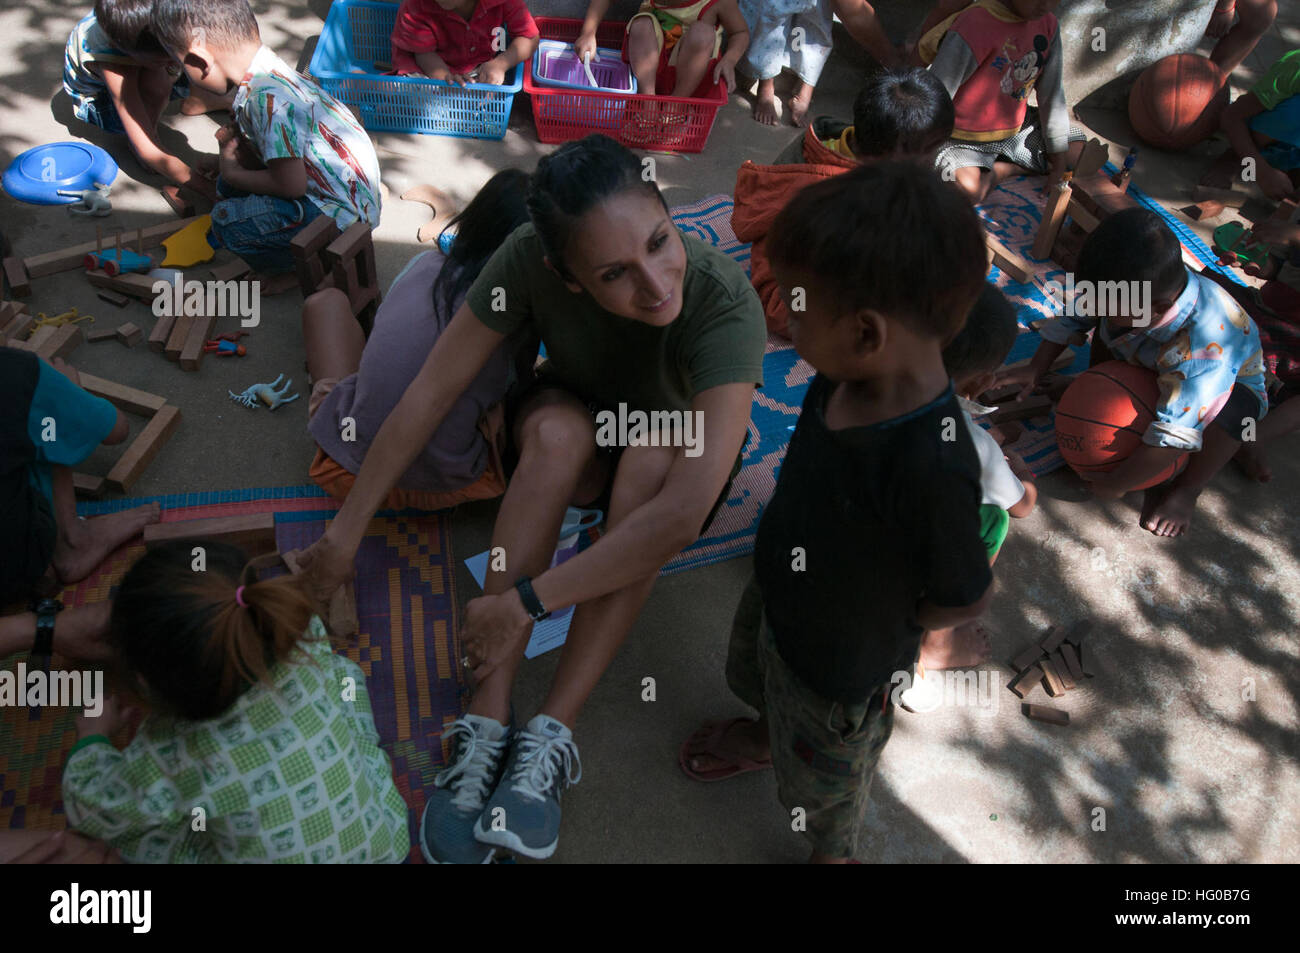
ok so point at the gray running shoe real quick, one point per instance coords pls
(523, 814)
(447, 826)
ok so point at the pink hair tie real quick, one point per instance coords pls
(239, 597)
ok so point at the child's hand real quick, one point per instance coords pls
(207, 166)
(461, 79)
(493, 72)
(1017, 464)
(114, 716)
(495, 626)
(585, 44)
(1275, 183)
(1273, 232)
(725, 72)
(81, 632)
(1024, 377)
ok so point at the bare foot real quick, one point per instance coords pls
(1167, 511)
(1251, 459)
(743, 740)
(963, 647)
(798, 104)
(87, 543)
(765, 105)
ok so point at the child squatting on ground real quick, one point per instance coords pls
(1204, 348)
(462, 41)
(1007, 488)
(293, 152)
(990, 57)
(121, 79)
(253, 724)
(873, 533)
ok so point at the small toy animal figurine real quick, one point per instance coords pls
(93, 201)
(266, 393)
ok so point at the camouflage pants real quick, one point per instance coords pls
(824, 752)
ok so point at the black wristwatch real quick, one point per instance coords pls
(532, 605)
(46, 610)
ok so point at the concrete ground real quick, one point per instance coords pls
(1163, 740)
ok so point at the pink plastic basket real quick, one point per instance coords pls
(667, 123)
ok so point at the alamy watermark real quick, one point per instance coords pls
(219, 299)
(954, 688)
(656, 428)
(57, 689)
(1102, 299)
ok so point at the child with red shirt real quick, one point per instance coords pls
(462, 40)
(990, 57)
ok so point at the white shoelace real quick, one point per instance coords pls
(473, 771)
(541, 759)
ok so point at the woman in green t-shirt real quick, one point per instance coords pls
(655, 344)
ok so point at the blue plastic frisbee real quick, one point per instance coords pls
(38, 175)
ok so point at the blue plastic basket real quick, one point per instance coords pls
(356, 38)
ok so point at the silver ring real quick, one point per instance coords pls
(464, 660)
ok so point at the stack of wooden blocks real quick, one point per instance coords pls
(325, 259)
(1086, 199)
(1057, 662)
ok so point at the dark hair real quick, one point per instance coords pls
(1134, 245)
(126, 24)
(983, 344)
(226, 24)
(182, 642)
(498, 209)
(901, 112)
(890, 236)
(572, 180)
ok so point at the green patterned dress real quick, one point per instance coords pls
(291, 773)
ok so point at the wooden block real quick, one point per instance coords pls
(1083, 663)
(1007, 260)
(1035, 405)
(11, 311)
(18, 327)
(252, 532)
(60, 344)
(1028, 657)
(143, 449)
(343, 620)
(83, 484)
(1053, 216)
(124, 398)
(1099, 195)
(1226, 198)
(1077, 632)
(66, 259)
(1070, 658)
(176, 340)
(102, 334)
(1082, 217)
(38, 337)
(16, 277)
(313, 239)
(1024, 683)
(1063, 670)
(192, 353)
(113, 298)
(136, 286)
(1051, 678)
(1092, 157)
(230, 271)
(1051, 716)
(129, 334)
(162, 329)
(1055, 636)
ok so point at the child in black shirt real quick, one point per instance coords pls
(872, 535)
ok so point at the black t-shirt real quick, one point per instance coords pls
(885, 516)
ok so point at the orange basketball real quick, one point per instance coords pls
(1176, 101)
(1102, 416)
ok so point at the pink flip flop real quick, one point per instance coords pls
(705, 742)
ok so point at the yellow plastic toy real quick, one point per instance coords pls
(59, 320)
(190, 245)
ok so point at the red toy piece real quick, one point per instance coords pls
(224, 347)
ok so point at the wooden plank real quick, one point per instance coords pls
(230, 271)
(83, 484)
(1082, 217)
(1070, 656)
(252, 532)
(1051, 678)
(1099, 195)
(129, 334)
(143, 449)
(1054, 636)
(1092, 157)
(124, 398)
(1028, 657)
(66, 259)
(1063, 670)
(180, 334)
(1053, 217)
(113, 298)
(136, 286)
(162, 329)
(192, 353)
(1035, 405)
(1043, 713)
(17, 277)
(18, 328)
(38, 337)
(1024, 683)
(1229, 198)
(101, 334)
(1007, 260)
